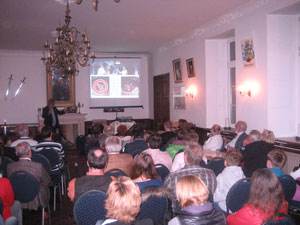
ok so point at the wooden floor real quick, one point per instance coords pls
(64, 210)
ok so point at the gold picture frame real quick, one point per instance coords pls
(190, 67)
(60, 88)
(177, 70)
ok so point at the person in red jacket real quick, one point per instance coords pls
(7, 197)
(266, 199)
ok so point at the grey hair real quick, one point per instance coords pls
(113, 144)
(255, 135)
(23, 149)
(22, 130)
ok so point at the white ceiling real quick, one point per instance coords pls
(128, 26)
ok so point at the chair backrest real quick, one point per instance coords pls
(216, 164)
(43, 160)
(155, 208)
(162, 171)
(115, 173)
(238, 195)
(283, 220)
(25, 186)
(3, 165)
(89, 208)
(289, 187)
(51, 155)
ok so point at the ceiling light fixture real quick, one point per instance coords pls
(95, 3)
(70, 49)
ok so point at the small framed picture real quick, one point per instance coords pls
(177, 71)
(190, 67)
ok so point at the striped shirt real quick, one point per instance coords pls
(55, 146)
(206, 175)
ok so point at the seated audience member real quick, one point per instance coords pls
(10, 207)
(276, 161)
(143, 172)
(215, 141)
(123, 204)
(9, 151)
(266, 199)
(138, 143)
(23, 131)
(192, 159)
(237, 142)
(268, 136)
(178, 161)
(255, 153)
(179, 144)
(168, 134)
(182, 123)
(113, 146)
(108, 131)
(48, 143)
(193, 195)
(94, 178)
(35, 169)
(122, 133)
(296, 175)
(158, 156)
(229, 176)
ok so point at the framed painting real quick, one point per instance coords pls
(177, 70)
(60, 87)
(179, 97)
(190, 67)
(248, 53)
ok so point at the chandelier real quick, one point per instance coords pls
(95, 3)
(70, 49)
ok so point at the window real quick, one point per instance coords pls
(232, 81)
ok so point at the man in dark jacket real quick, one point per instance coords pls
(255, 154)
(50, 115)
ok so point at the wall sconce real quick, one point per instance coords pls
(191, 92)
(245, 90)
(249, 89)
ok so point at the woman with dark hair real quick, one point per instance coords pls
(266, 199)
(143, 172)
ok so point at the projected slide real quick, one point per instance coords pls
(115, 78)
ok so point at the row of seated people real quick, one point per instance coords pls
(190, 161)
(144, 175)
(20, 153)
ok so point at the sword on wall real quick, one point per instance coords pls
(9, 83)
(19, 88)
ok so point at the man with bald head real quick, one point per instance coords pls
(94, 178)
(237, 142)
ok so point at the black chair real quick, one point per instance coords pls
(3, 165)
(216, 164)
(89, 208)
(155, 208)
(283, 220)
(115, 173)
(43, 160)
(26, 188)
(289, 187)
(238, 195)
(57, 176)
(162, 171)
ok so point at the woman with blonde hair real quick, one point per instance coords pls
(123, 203)
(143, 172)
(193, 195)
(268, 136)
(266, 199)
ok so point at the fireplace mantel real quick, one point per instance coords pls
(72, 125)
